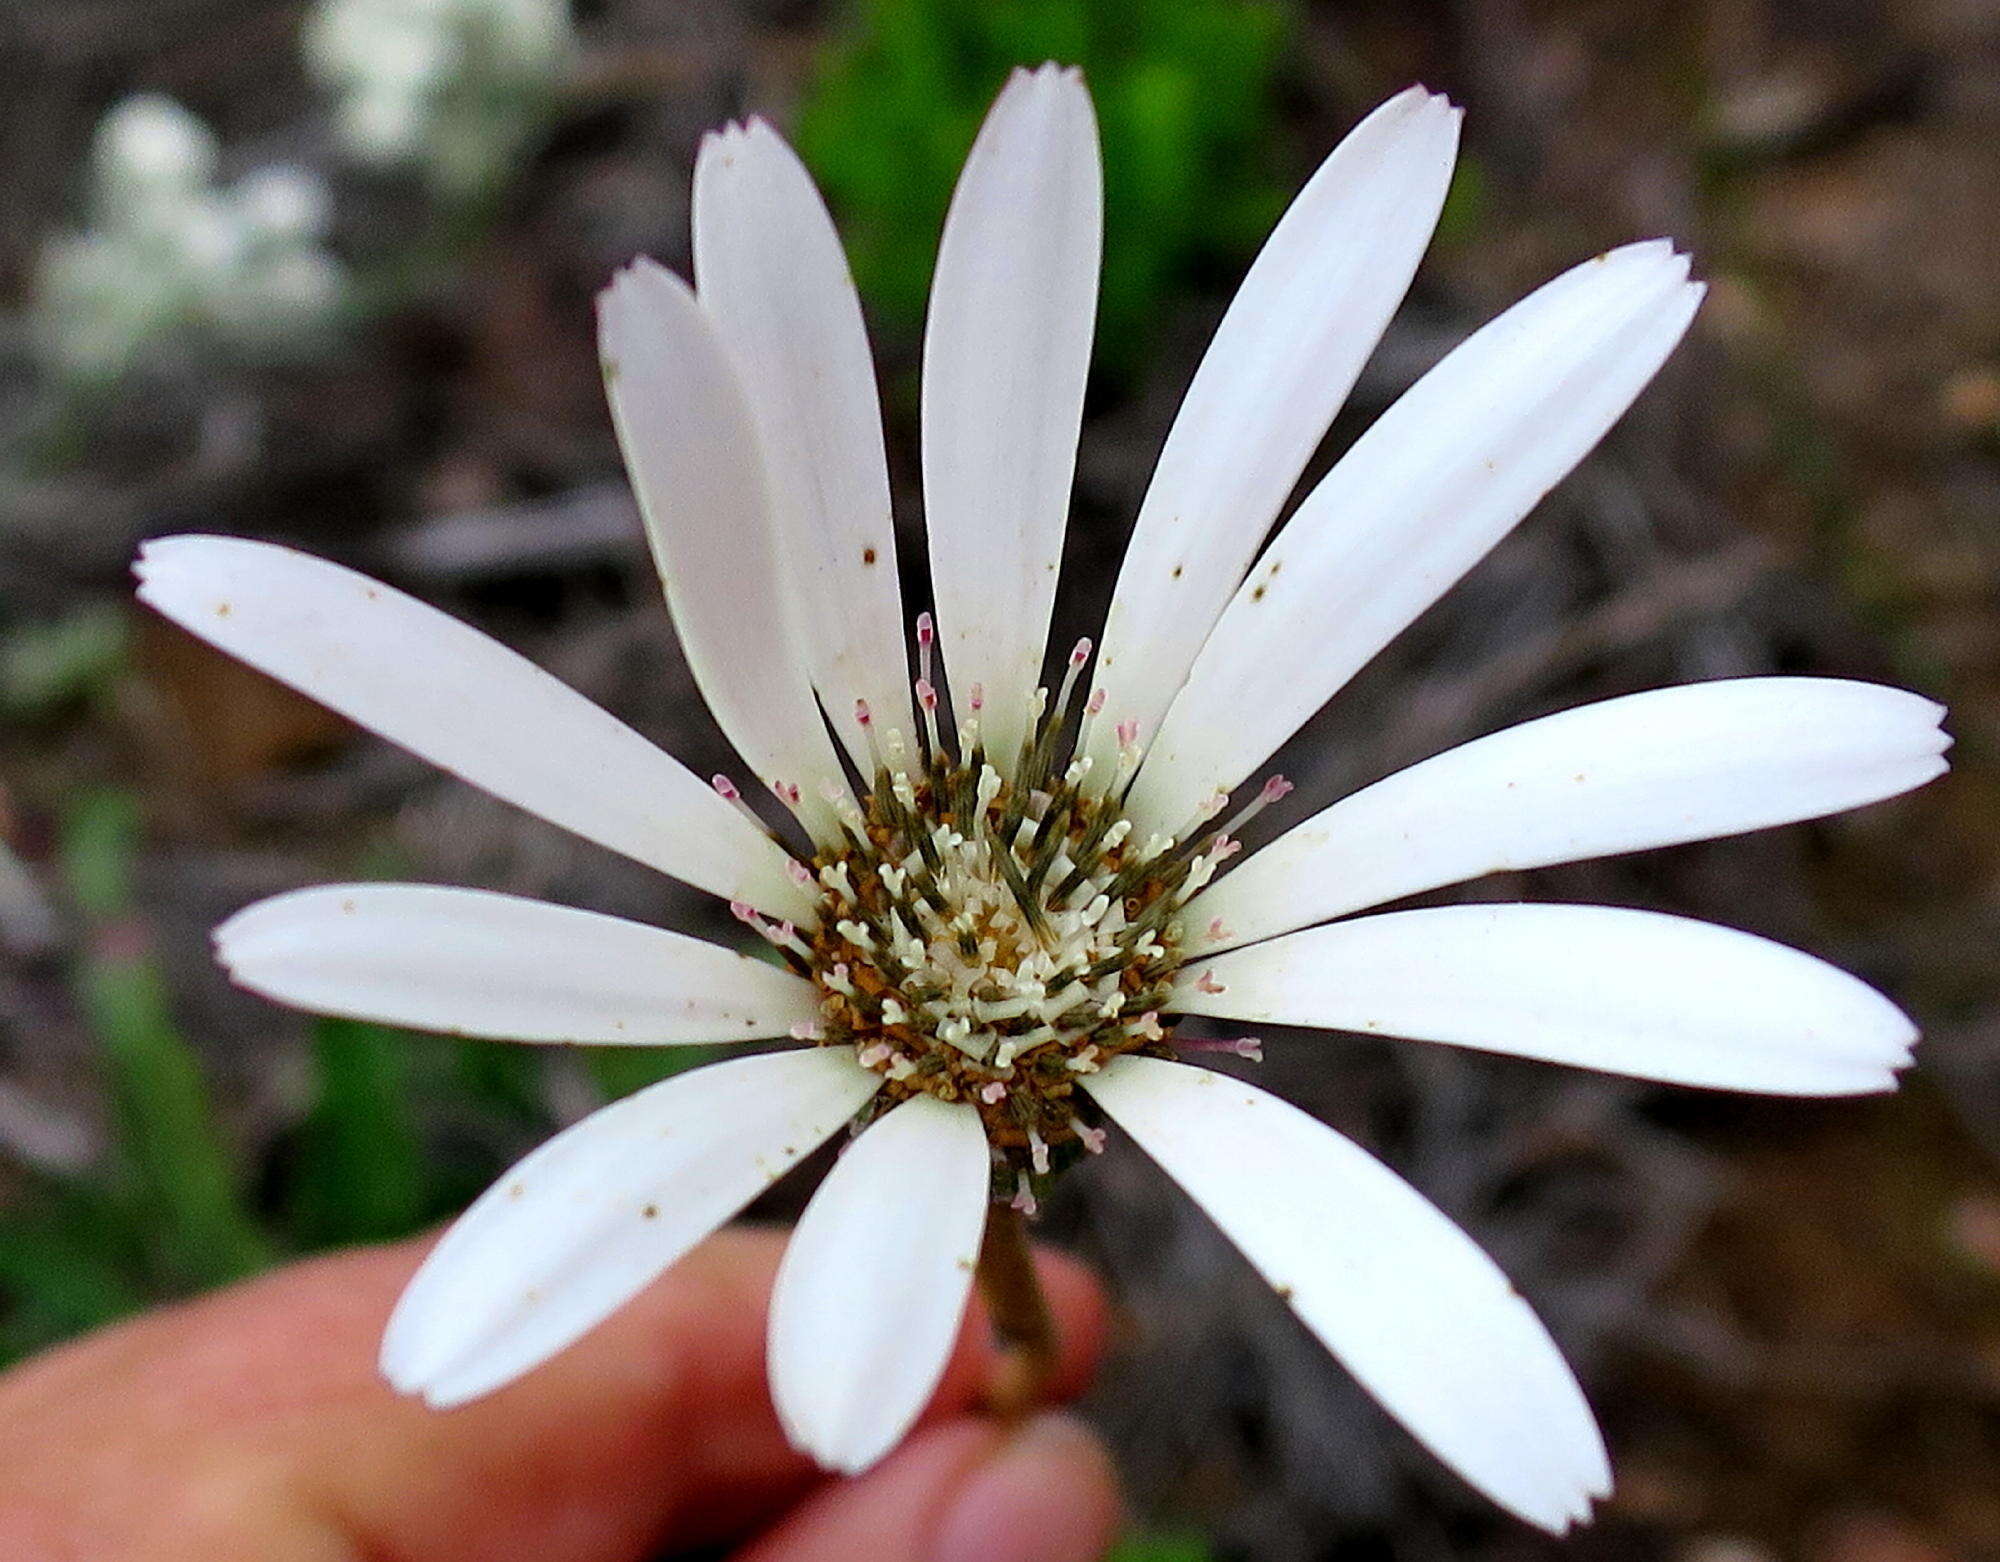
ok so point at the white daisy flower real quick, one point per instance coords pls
(983, 944)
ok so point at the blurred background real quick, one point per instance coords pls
(323, 273)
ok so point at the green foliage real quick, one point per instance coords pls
(359, 1175)
(66, 1265)
(1465, 201)
(621, 1070)
(46, 665)
(166, 1213)
(97, 845)
(1186, 113)
(1162, 1546)
(176, 1172)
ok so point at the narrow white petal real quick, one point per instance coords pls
(1652, 769)
(692, 451)
(874, 1281)
(770, 273)
(1423, 1319)
(1006, 349)
(466, 703)
(1283, 360)
(1419, 499)
(478, 964)
(1628, 992)
(587, 1221)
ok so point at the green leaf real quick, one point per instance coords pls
(67, 1264)
(359, 1175)
(1185, 91)
(99, 839)
(46, 665)
(178, 1165)
(500, 1080)
(621, 1070)
(1162, 1546)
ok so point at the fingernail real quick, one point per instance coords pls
(1048, 1494)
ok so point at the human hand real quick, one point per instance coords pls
(250, 1426)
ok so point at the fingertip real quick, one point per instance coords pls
(963, 1490)
(1083, 1318)
(887, 1513)
(1048, 1494)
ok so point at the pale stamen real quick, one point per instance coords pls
(927, 702)
(1240, 1047)
(1077, 658)
(1024, 1196)
(864, 718)
(726, 789)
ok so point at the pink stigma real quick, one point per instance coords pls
(1274, 789)
(975, 699)
(725, 788)
(1082, 652)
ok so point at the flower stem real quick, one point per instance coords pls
(1020, 1314)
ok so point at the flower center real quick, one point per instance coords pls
(990, 943)
(993, 939)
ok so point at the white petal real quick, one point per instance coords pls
(1629, 992)
(587, 1221)
(1652, 769)
(770, 273)
(466, 703)
(874, 1281)
(1423, 1319)
(1283, 360)
(1006, 350)
(1419, 499)
(477, 964)
(692, 451)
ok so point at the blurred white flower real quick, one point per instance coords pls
(283, 205)
(170, 253)
(455, 86)
(149, 150)
(981, 949)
